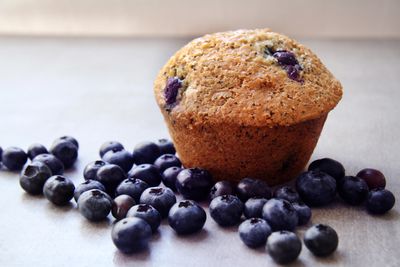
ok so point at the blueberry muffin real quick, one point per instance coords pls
(246, 103)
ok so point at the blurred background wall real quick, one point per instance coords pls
(302, 18)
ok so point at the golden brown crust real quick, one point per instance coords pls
(227, 78)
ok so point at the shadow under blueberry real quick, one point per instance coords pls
(28, 197)
(332, 259)
(87, 225)
(195, 237)
(391, 215)
(122, 258)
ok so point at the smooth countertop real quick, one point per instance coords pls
(101, 89)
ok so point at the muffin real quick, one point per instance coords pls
(246, 103)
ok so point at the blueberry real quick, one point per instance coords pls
(86, 186)
(248, 188)
(186, 217)
(110, 145)
(90, 171)
(33, 177)
(194, 183)
(122, 158)
(168, 177)
(166, 161)
(329, 166)
(283, 246)
(68, 139)
(14, 158)
(165, 146)
(36, 149)
(254, 232)
(131, 234)
(1, 154)
(303, 212)
(147, 213)
(131, 187)
(59, 190)
(322, 240)
(121, 205)
(65, 151)
(110, 175)
(55, 165)
(288, 193)
(146, 152)
(316, 188)
(221, 188)
(95, 205)
(280, 214)
(380, 201)
(353, 190)
(226, 210)
(160, 198)
(146, 172)
(285, 58)
(171, 90)
(373, 178)
(293, 72)
(253, 207)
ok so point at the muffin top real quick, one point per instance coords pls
(247, 77)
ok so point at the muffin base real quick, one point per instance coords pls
(232, 152)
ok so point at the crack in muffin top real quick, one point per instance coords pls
(247, 77)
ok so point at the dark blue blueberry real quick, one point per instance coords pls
(131, 187)
(166, 146)
(380, 201)
(171, 90)
(280, 214)
(146, 172)
(14, 158)
(168, 177)
(253, 207)
(373, 178)
(147, 213)
(285, 58)
(69, 139)
(95, 205)
(121, 205)
(249, 187)
(160, 198)
(59, 190)
(146, 152)
(254, 232)
(90, 171)
(293, 72)
(322, 240)
(283, 246)
(330, 166)
(33, 177)
(316, 188)
(166, 161)
(86, 186)
(194, 183)
(303, 212)
(122, 158)
(65, 151)
(186, 217)
(221, 188)
(353, 190)
(55, 165)
(226, 210)
(36, 149)
(110, 175)
(131, 234)
(110, 145)
(288, 193)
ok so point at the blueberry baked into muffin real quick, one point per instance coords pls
(246, 103)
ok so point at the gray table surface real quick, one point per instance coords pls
(101, 89)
